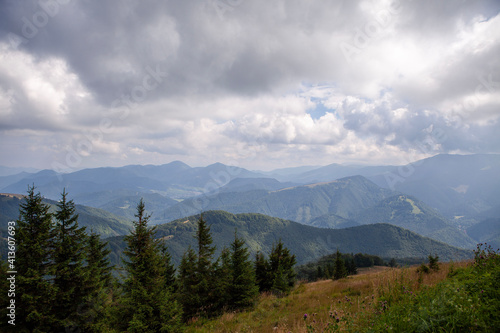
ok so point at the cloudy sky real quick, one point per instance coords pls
(259, 84)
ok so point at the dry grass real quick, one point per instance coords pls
(355, 297)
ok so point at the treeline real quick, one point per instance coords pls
(64, 281)
(338, 265)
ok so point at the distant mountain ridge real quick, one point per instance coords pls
(456, 185)
(260, 232)
(344, 197)
(412, 214)
(464, 189)
(168, 179)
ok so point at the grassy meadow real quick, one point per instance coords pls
(455, 297)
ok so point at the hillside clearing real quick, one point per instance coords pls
(354, 300)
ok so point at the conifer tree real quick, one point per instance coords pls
(187, 282)
(98, 284)
(262, 272)
(99, 267)
(223, 275)
(351, 267)
(243, 288)
(340, 270)
(35, 293)
(170, 280)
(281, 263)
(68, 271)
(205, 268)
(433, 262)
(148, 304)
(319, 272)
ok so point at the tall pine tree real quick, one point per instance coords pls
(340, 271)
(98, 285)
(68, 271)
(243, 289)
(187, 281)
(223, 275)
(262, 272)
(201, 298)
(35, 293)
(281, 263)
(148, 302)
(275, 274)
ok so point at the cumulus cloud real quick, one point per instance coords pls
(253, 83)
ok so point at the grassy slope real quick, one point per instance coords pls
(391, 300)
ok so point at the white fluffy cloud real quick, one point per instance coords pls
(261, 85)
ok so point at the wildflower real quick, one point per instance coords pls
(305, 316)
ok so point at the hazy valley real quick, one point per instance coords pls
(452, 199)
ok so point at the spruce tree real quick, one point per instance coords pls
(243, 288)
(223, 275)
(281, 263)
(351, 267)
(35, 293)
(187, 282)
(262, 272)
(205, 268)
(98, 265)
(68, 271)
(340, 270)
(98, 284)
(148, 303)
(433, 262)
(170, 280)
(200, 286)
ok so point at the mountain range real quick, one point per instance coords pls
(260, 232)
(441, 197)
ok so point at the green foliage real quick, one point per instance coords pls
(275, 274)
(170, 280)
(340, 270)
(262, 272)
(260, 232)
(67, 269)
(187, 282)
(467, 301)
(99, 220)
(33, 262)
(207, 288)
(224, 277)
(423, 268)
(148, 304)
(197, 291)
(324, 267)
(243, 289)
(433, 262)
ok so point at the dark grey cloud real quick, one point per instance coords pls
(182, 78)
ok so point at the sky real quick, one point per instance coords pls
(253, 83)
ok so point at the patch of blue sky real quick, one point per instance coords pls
(320, 110)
